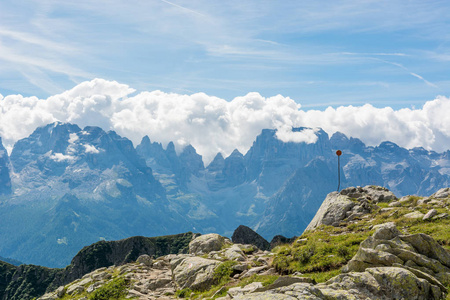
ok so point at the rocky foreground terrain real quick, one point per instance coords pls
(363, 243)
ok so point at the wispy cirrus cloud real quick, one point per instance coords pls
(173, 44)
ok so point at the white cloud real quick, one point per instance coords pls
(73, 137)
(213, 124)
(91, 149)
(286, 134)
(59, 157)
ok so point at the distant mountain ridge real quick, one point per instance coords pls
(65, 187)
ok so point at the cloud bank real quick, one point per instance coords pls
(213, 124)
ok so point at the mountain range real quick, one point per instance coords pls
(64, 187)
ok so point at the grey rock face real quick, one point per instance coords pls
(333, 210)
(195, 273)
(245, 235)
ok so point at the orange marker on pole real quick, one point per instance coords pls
(339, 153)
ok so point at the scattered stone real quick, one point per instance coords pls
(430, 214)
(240, 268)
(234, 292)
(285, 281)
(436, 203)
(145, 259)
(75, 289)
(60, 292)
(414, 215)
(254, 271)
(442, 193)
(423, 201)
(386, 209)
(440, 216)
(235, 253)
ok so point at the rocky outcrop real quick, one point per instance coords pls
(419, 254)
(333, 210)
(349, 204)
(245, 235)
(388, 265)
(207, 243)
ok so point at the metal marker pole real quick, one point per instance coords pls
(339, 153)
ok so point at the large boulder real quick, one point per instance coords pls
(207, 243)
(195, 273)
(245, 235)
(333, 210)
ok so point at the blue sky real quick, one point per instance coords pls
(318, 53)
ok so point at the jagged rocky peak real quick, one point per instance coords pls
(340, 141)
(217, 163)
(191, 160)
(267, 147)
(5, 179)
(55, 146)
(234, 168)
(153, 153)
(145, 141)
(391, 149)
(271, 161)
(50, 139)
(170, 149)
